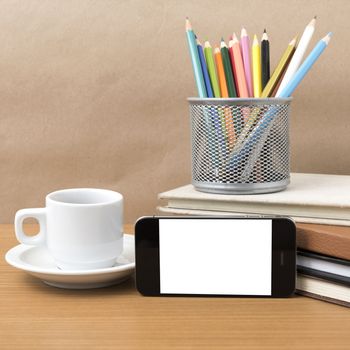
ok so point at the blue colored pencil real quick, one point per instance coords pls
(306, 66)
(214, 115)
(198, 75)
(204, 69)
(262, 129)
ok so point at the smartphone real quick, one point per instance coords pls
(215, 256)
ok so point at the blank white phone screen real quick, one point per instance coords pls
(208, 256)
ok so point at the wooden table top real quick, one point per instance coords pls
(36, 316)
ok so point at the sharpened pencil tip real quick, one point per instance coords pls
(223, 44)
(294, 41)
(312, 22)
(264, 36)
(265, 30)
(188, 25)
(327, 38)
(243, 32)
(315, 17)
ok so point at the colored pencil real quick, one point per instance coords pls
(232, 92)
(226, 116)
(298, 55)
(305, 67)
(208, 52)
(228, 70)
(264, 125)
(287, 91)
(204, 69)
(265, 59)
(282, 65)
(238, 68)
(256, 67)
(218, 117)
(274, 92)
(198, 75)
(221, 73)
(245, 47)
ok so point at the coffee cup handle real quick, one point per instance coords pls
(36, 213)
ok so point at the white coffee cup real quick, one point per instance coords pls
(81, 227)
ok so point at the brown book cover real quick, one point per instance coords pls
(324, 239)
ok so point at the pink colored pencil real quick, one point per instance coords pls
(238, 68)
(245, 48)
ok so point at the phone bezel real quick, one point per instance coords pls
(283, 256)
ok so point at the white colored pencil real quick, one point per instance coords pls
(298, 55)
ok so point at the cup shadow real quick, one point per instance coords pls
(126, 287)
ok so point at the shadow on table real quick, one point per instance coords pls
(125, 288)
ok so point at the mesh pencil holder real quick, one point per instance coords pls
(240, 146)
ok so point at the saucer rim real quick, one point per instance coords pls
(20, 248)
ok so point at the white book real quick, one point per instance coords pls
(313, 198)
(324, 290)
(165, 210)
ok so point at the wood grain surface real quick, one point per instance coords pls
(36, 316)
(325, 239)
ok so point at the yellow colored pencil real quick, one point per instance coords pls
(256, 61)
(281, 67)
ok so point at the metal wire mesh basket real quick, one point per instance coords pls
(240, 146)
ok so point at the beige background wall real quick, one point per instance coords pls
(93, 93)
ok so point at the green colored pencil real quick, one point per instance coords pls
(208, 52)
(228, 70)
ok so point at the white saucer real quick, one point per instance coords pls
(38, 262)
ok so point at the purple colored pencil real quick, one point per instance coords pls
(245, 48)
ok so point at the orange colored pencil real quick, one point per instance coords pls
(226, 117)
(221, 73)
(238, 68)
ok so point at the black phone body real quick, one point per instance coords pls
(215, 256)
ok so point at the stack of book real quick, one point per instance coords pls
(320, 206)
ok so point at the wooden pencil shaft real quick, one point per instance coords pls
(221, 74)
(305, 67)
(245, 46)
(208, 52)
(205, 72)
(282, 65)
(197, 69)
(256, 59)
(238, 68)
(298, 55)
(228, 72)
(265, 63)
